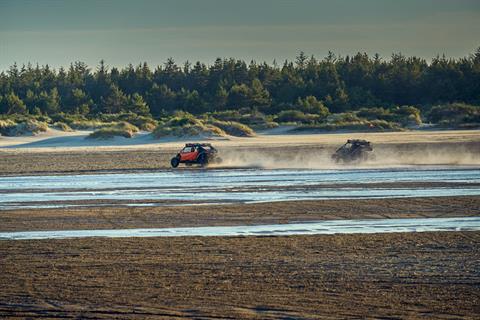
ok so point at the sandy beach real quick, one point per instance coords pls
(240, 159)
(404, 275)
(117, 217)
(75, 154)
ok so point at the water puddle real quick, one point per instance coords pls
(303, 228)
(233, 186)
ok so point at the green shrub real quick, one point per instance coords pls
(227, 115)
(257, 120)
(127, 126)
(81, 122)
(252, 118)
(187, 130)
(362, 125)
(291, 116)
(183, 120)
(265, 125)
(121, 129)
(455, 115)
(183, 124)
(18, 118)
(5, 123)
(382, 125)
(68, 118)
(6, 126)
(162, 131)
(213, 130)
(62, 126)
(404, 115)
(311, 105)
(296, 116)
(148, 126)
(109, 133)
(90, 124)
(375, 113)
(407, 115)
(29, 126)
(142, 122)
(341, 119)
(233, 128)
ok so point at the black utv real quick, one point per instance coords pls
(353, 151)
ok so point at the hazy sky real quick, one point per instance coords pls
(122, 32)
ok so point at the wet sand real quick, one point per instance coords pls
(300, 151)
(235, 214)
(388, 276)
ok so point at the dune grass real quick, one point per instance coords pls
(183, 124)
(188, 130)
(121, 129)
(233, 128)
(62, 126)
(359, 126)
(12, 128)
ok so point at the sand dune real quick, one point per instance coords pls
(58, 139)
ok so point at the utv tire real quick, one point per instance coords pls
(175, 162)
(202, 160)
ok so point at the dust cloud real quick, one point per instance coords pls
(321, 158)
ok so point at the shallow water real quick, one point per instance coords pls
(304, 228)
(240, 185)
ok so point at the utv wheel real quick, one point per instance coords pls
(175, 162)
(202, 159)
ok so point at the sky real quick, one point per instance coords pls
(122, 32)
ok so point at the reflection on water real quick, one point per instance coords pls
(305, 228)
(245, 185)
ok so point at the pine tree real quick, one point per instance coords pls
(14, 104)
(137, 105)
(115, 101)
(259, 96)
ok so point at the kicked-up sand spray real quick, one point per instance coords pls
(383, 156)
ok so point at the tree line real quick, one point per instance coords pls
(334, 83)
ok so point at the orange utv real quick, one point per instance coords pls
(196, 153)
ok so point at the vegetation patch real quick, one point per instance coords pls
(145, 123)
(296, 117)
(183, 124)
(121, 129)
(455, 115)
(309, 91)
(62, 126)
(89, 124)
(188, 130)
(252, 118)
(406, 116)
(6, 126)
(360, 125)
(233, 128)
(25, 127)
